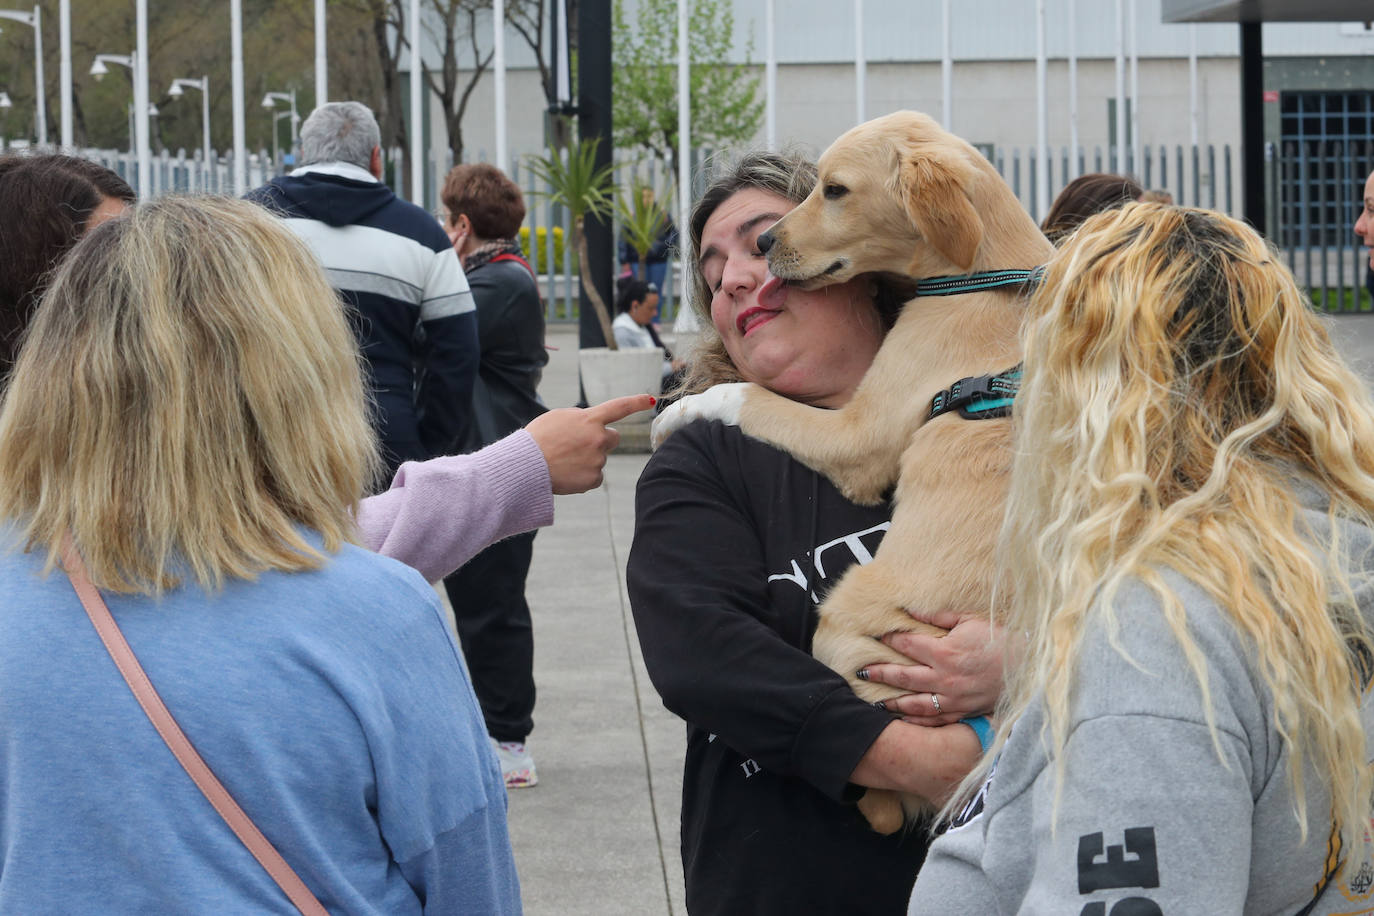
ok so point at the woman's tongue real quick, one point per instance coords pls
(772, 292)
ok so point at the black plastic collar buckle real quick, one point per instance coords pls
(980, 397)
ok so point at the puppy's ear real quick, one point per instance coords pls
(933, 191)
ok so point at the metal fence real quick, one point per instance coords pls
(1313, 192)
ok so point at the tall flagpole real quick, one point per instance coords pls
(684, 122)
(417, 125)
(860, 74)
(1073, 89)
(321, 56)
(947, 65)
(498, 38)
(1132, 26)
(1042, 117)
(1192, 84)
(1120, 164)
(236, 74)
(145, 162)
(64, 24)
(770, 82)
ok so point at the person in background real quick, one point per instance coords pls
(46, 202)
(636, 307)
(438, 513)
(735, 543)
(485, 209)
(1364, 229)
(656, 260)
(1084, 196)
(189, 410)
(411, 308)
(1192, 515)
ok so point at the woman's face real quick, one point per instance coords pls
(812, 346)
(107, 209)
(643, 312)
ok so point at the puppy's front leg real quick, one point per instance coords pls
(860, 456)
(853, 619)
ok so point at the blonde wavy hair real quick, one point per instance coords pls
(188, 398)
(1176, 384)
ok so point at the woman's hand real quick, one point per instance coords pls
(575, 441)
(962, 670)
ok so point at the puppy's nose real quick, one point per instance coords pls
(766, 241)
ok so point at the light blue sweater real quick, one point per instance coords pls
(333, 705)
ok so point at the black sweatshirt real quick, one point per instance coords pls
(734, 542)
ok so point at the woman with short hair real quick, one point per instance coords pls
(189, 410)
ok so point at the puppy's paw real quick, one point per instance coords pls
(722, 402)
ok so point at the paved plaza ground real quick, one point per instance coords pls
(599, 834)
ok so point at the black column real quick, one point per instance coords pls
(1252, 122)
(594, 121)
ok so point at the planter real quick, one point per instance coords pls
(608, 373)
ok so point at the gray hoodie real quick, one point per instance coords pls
(1151, 819)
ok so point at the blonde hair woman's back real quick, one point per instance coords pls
(1191, 522)
(189, 405)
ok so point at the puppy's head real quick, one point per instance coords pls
(895, 195)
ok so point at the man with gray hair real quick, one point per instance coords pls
(412, 311)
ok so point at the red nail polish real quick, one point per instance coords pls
(652, 400)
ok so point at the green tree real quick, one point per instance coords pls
(726, 101)
(642, 219)
(574, 180)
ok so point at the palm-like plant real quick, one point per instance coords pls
(642, 219)
(575, 181)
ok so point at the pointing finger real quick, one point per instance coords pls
(620, 408)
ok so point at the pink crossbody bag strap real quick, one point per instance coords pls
(186, 755)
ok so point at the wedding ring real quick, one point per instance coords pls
(935, 701)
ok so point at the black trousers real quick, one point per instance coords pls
(493, 620)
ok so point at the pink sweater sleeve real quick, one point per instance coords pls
(440, 513)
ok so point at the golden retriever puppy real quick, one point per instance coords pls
(900, 196)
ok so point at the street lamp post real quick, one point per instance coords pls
(138, 132)
(34, 21)
(5, 106)
(271, 99)
(203, 84)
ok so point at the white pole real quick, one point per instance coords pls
(1133, 25)
(859, 74)
(770, 81)
(205, 131)
(563, 78)
(321, 56)
(1042, 117)
(145, 164)
(1192, 84)
(240, 143)
(1073, 88)
(40, 88)
(498, 54)
(947, 66)
(684, 126)
(417, 128)
(1120, 163)
(64, 25)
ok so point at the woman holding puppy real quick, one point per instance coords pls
(735, 545)
(1192, 515)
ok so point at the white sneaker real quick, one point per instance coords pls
(517, 766)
